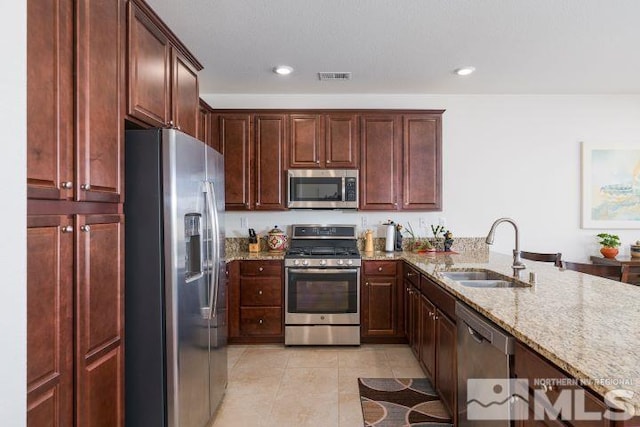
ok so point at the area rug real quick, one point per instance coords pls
(398, 402)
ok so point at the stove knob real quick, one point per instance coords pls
(305, 262)
(296, 262)
(340, 262)
(323, 262)
(350, 262)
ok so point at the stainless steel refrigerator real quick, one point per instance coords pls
(175, 287)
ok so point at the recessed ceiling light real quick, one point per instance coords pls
(464, 71)
(283, 70)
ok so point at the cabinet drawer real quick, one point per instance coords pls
(441, 298)
(411, 275)
(380, 268)
(530, 366)
(260, 321)
(260, 291)
(260, 268)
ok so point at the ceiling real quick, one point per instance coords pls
(412, 46)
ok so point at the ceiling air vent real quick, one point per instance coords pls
(330, 76)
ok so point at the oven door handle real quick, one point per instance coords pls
(322, 270)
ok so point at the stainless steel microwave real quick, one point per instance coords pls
(323, 189)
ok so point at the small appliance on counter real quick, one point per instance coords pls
(368, 241)
(390, 233)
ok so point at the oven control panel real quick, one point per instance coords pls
(321, 262)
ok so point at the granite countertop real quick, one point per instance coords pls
(233, 255)
(586, 325)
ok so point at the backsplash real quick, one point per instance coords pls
(460, 244)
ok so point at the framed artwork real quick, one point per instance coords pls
(610, 185)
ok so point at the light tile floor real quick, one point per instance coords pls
(281, 386)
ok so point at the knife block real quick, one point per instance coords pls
(255, 247)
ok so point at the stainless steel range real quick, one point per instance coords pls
(322, 286)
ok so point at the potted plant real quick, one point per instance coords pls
(418, 245)
(610, 243)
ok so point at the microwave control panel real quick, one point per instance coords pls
(350, 190)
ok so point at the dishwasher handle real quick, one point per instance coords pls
(482, 330)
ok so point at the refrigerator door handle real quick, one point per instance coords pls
(212, 211)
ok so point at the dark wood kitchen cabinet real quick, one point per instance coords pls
(380, 166)
(81, 293)
(427, 337)
(381, 300)
(100, 56)
(270, 157)
(162, 74)
(99, 320)
(530, 366)
(416, 180)
(323, 141)
(235, 136)
(422, 162)
(50, 171)
(255, 292)
(50, 320)
(205, 126)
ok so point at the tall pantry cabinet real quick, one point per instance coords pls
(75, 270)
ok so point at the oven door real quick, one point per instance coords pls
(322, 296)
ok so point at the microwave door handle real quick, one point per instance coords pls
(214, 278)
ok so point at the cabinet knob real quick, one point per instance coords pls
(171, 123)
(67, 229)
(379, 268)
(410, 274)
(260, 321)
(328, 161)
(317, 162)
(85, 187)
(435, 317)
(257, 203)
(366, 283)
(260, 292)
(67, 185)
(85, 228)
(260, 269)
(395, 203)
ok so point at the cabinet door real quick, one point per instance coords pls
(99, 320)
(414, 328)
(236, 137)
(379, 306)
(49, 321)
(149, 53)
(422, 161)
(446, 359)
(305, 141)
(50, 99)
(204, 124)
(100, 115)
(341, 141)
(185, 96)
(269, 161)
(380, 165)
(428, 337)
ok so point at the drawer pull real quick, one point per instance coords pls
(379, 268)
(260, 292)
(366, 283)
(260, 269)
(261, 321)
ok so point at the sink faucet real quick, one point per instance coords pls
(517, 263)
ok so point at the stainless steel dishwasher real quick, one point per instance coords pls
(484, 359)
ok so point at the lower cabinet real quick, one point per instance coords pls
(539, 411)
(93, 307)
(255, 301)
(431, 333)
(381, 301)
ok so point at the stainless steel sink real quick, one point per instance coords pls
(483, 279)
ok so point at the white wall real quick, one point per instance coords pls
(13, 286)
(504, 155)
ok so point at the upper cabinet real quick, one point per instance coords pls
(422, 162)
(270, 184)
(162, 74)
(236, 141)
(323, 141)
(381, 138)
(100, 32)
(82, 162)
(50, 99)
(401, 161)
